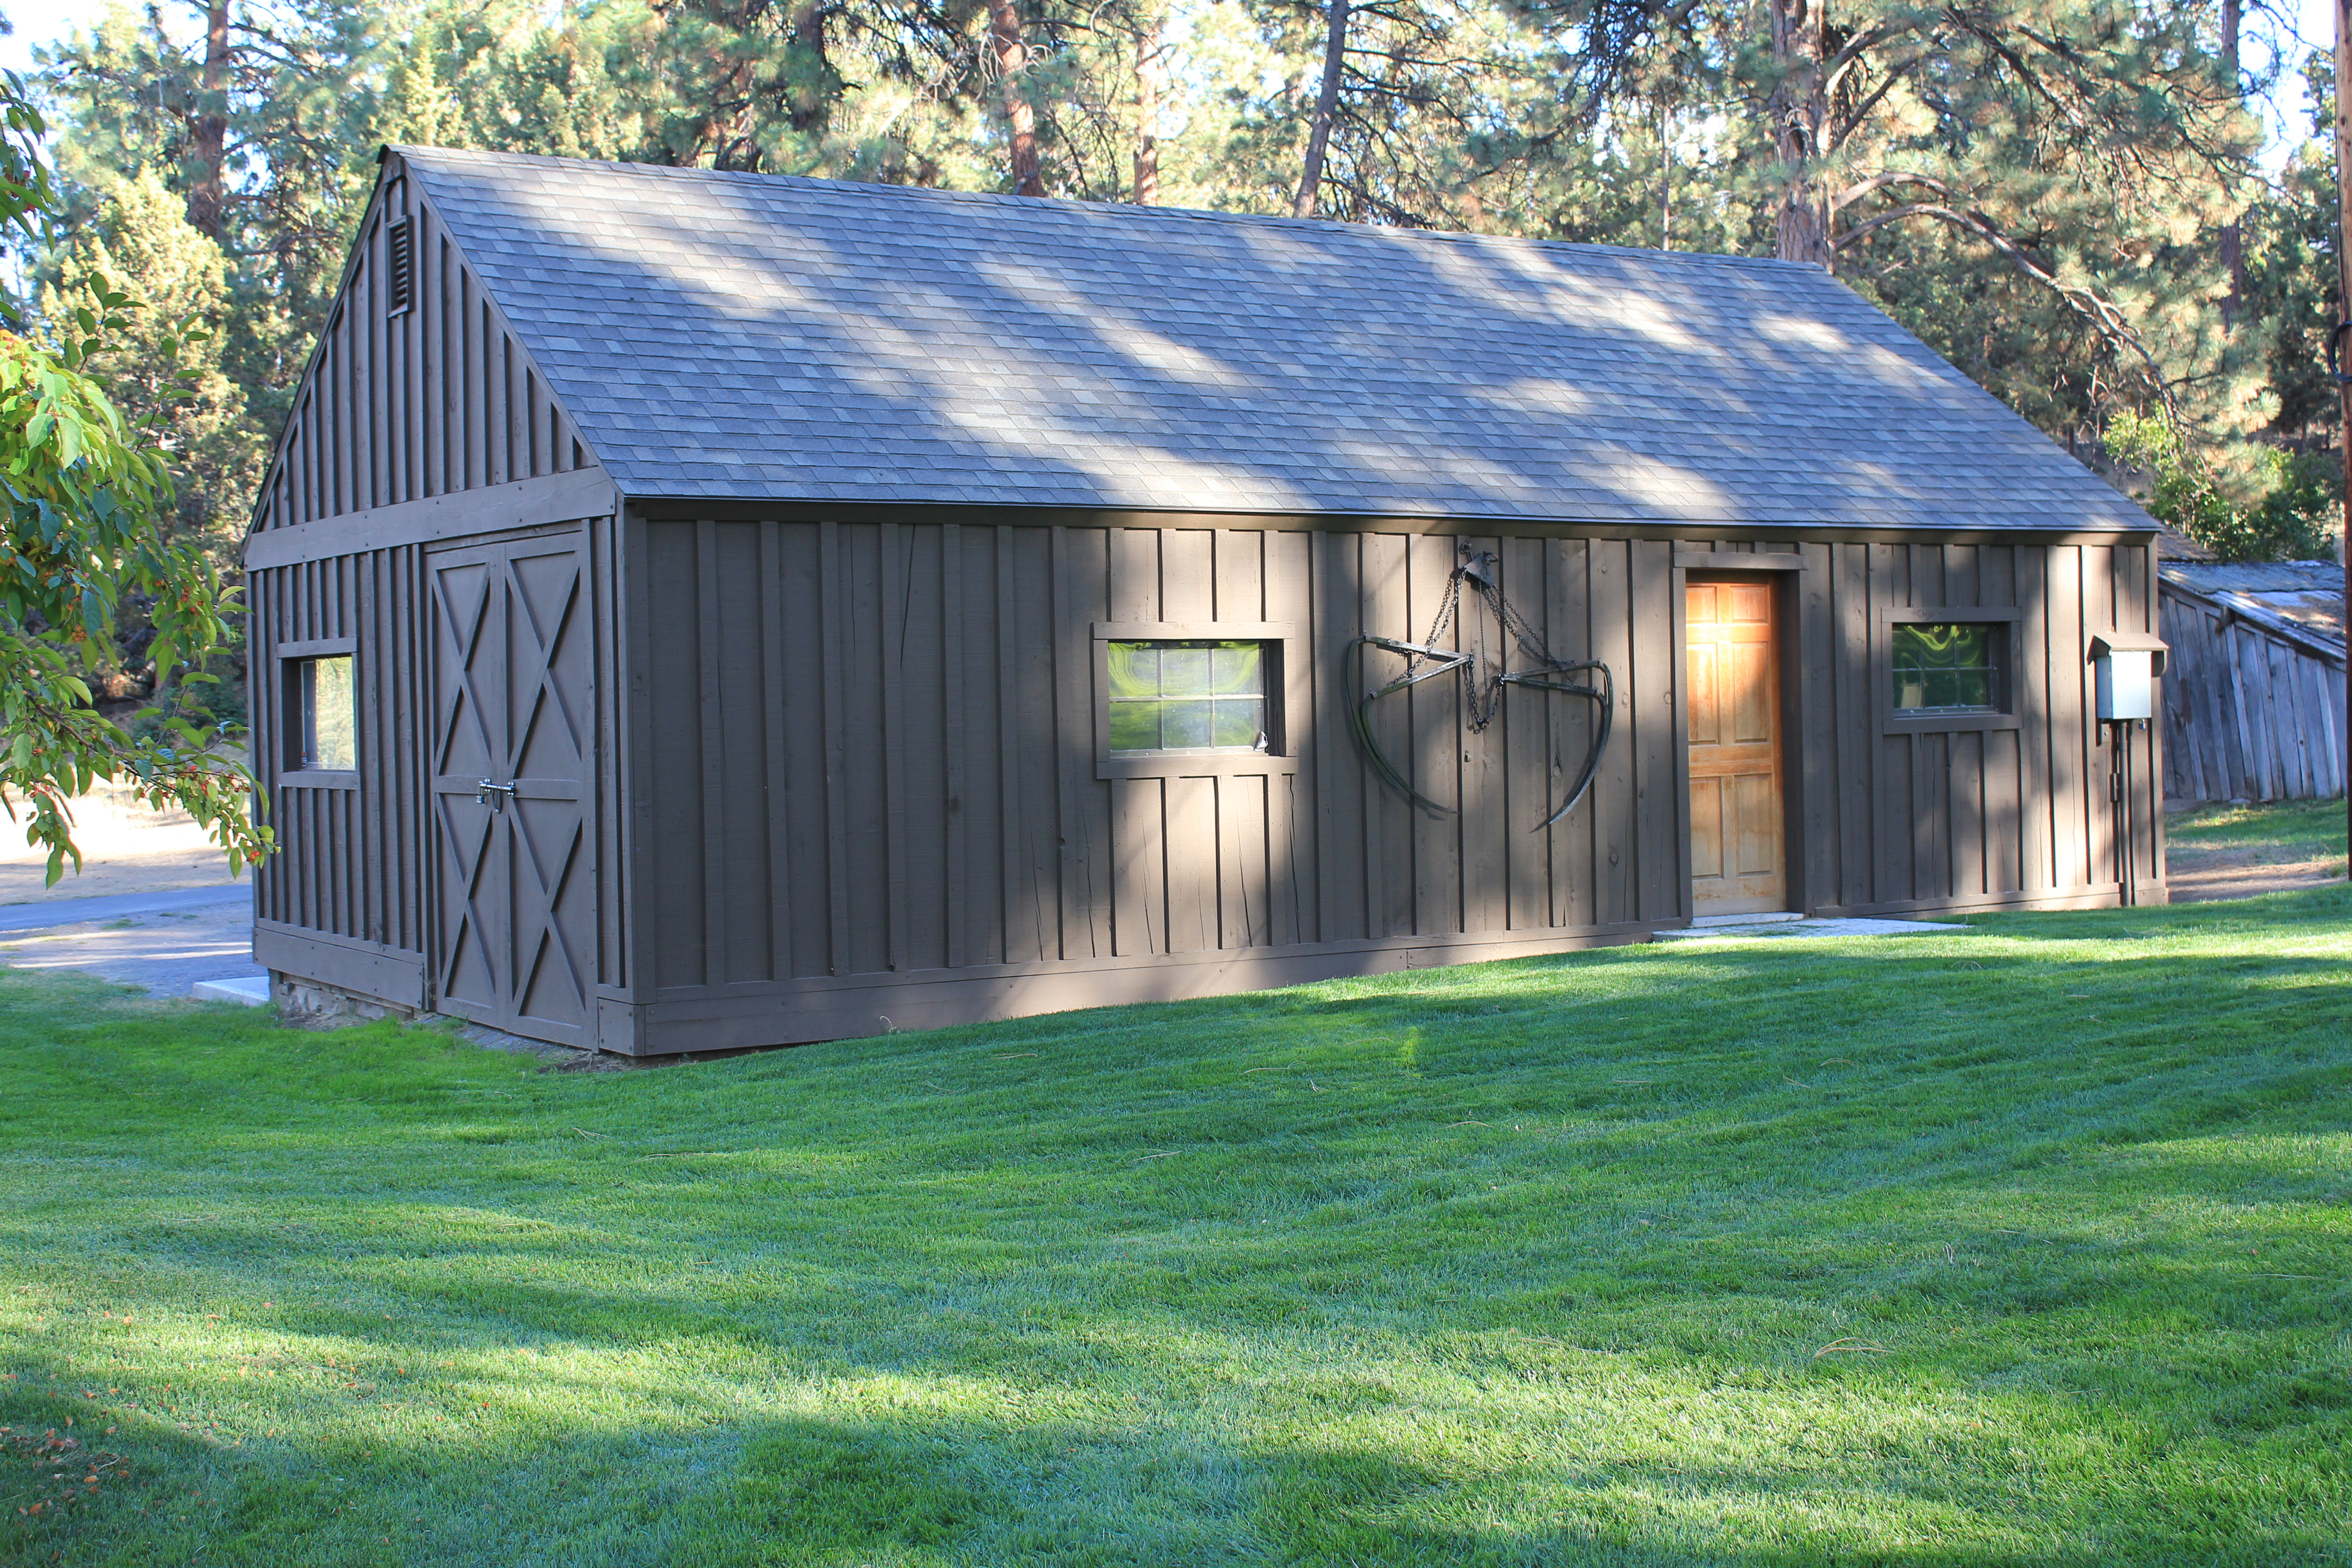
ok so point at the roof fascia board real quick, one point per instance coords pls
(688, 509)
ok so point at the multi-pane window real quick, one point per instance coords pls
(326, 728)
(1948, 668)
(1187, 697)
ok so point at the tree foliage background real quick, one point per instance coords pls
(2060, 196)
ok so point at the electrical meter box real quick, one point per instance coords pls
(2127, 665)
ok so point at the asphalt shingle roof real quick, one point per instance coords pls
(720, 335)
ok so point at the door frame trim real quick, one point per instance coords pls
(1788, 648)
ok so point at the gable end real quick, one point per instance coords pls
(419, 386)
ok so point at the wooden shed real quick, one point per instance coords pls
(2254, 699)
(697, 610)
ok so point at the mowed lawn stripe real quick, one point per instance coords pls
(2022, 1244)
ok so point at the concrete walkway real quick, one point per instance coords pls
(163, 941)
(1798, 926)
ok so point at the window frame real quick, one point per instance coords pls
(2008, 650)
(1284, 649)
(291, 656)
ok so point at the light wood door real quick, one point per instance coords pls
(1738, 849)
(513, 707)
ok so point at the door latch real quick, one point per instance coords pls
(487, 793)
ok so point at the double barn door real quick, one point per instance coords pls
(512, 750)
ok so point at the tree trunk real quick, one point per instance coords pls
(1151, 81)
(2344, 312)
(1799, 111)
(1318, 135)
(1665, 179)
(1011, 62)
(209, 197)
(815, 85)
(2233, 252)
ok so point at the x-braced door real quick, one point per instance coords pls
(512, 749)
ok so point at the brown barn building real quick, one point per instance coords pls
(695, 610)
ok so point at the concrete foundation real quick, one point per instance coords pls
(314, 1005)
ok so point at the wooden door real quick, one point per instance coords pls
(1738, 850)
(512, 749)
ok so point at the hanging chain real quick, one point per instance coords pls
(1482, 672)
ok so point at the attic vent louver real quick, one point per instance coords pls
(400, 250)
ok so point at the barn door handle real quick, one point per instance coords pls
(485, 794)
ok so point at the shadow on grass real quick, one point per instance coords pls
(1724, 1157)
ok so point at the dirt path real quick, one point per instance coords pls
(126, 849)
(2195, 875)
(166, 951)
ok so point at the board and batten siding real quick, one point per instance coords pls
(874, 798)
(395, 408)
(875, 758)
(1896, 819)
(401, 406)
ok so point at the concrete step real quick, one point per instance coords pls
(250, 990)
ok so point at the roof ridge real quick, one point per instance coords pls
(1131, 211)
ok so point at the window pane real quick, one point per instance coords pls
(1234, 668)
(1184, 670)
(1134, 670)
(1135, 726)
(1239, 722)
(330, 724)
(1948, 668)
(1186, 726)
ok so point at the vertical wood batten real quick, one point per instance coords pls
(2071, 754)
(1196, 868)
(1293, 833)
(775, 795)
(1483, 827)
(716, 852)
(1665, 887)
(1139, 820)
(1434, 751)
(1614, 807)
(890, 664)
(1079, 579)
(953, 667)
(1819, 873)
(1011, 820)
(1574, 839)
(830, 634)
(1340, 899)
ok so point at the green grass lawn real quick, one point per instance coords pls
(2025, 1243)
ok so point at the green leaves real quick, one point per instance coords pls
(83, 493)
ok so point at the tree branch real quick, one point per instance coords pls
(2104, 314)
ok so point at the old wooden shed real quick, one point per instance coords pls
(2254, 697)
(695, 610)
